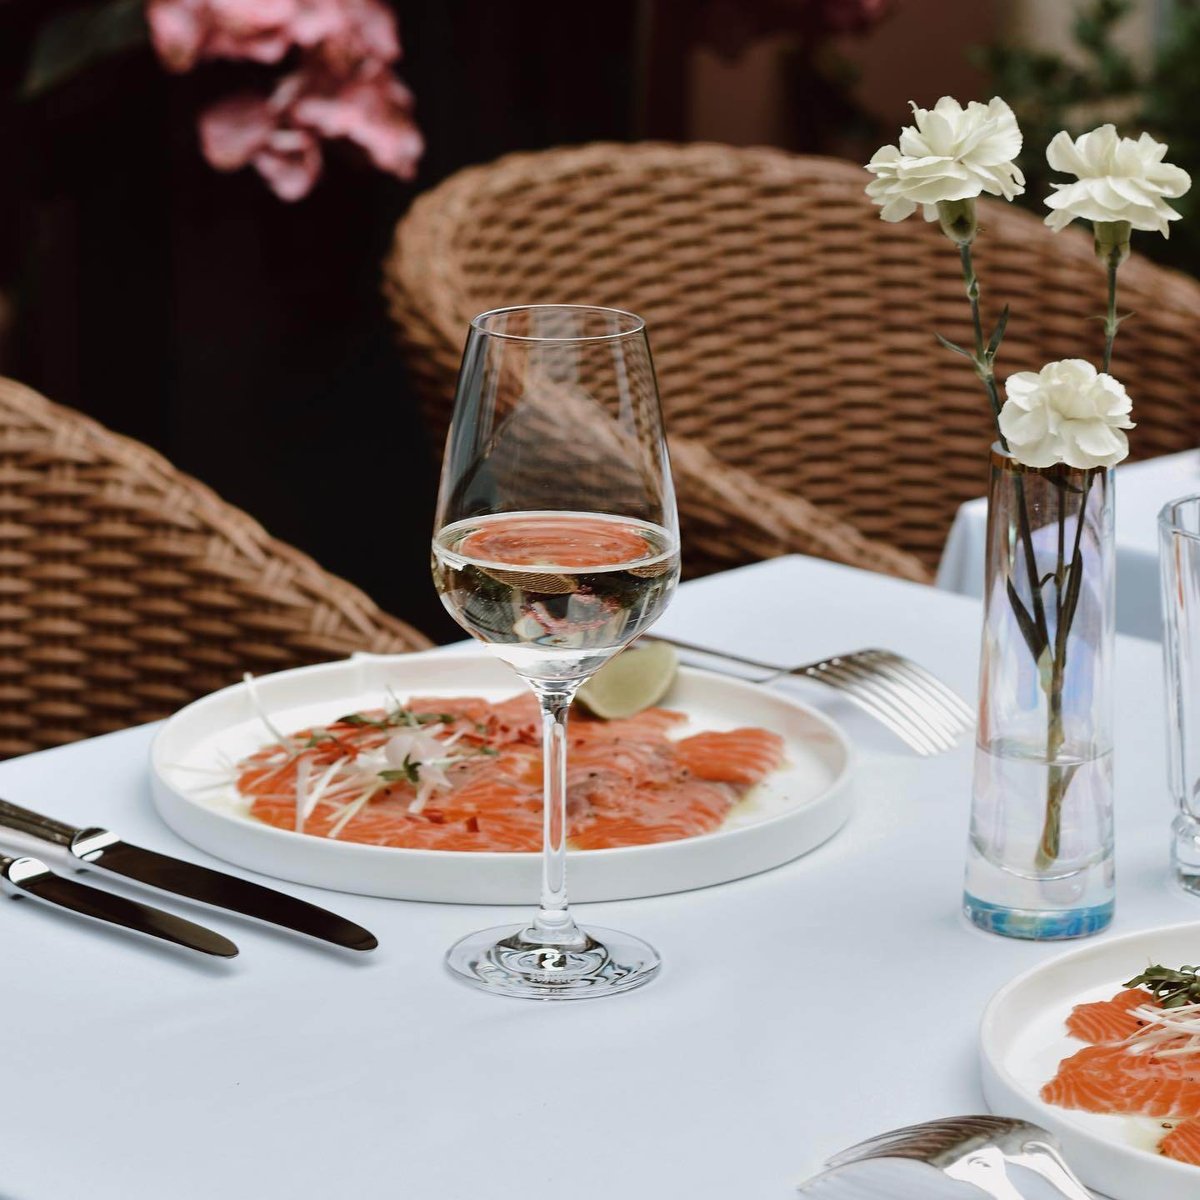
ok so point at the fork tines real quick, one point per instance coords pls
(914, 704)
(920, 709)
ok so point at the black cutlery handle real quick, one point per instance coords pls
(21, 820)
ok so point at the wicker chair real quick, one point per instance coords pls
(810, 407)
(130, 589)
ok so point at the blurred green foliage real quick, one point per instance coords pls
(1171, 111)
(76, 37)
(1101, 82)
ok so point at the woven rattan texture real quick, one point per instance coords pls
(792, 330)
(128, 589)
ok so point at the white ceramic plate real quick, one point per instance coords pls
(794, 810)
(1023, 1040)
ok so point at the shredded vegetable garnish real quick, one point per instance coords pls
(1140, 1058)
(1168, 1032)
(354, 759)
(303, 770)
(261, 712)
(465, 773)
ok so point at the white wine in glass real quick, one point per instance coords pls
(556, 544)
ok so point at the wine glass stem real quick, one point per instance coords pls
(553, 924)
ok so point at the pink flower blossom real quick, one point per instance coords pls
(185, 31)
(347, 31)
(290, 162)
(245, 130)
(372, 109)
(341, 87)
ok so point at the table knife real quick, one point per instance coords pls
(101, 850)
(31, 877)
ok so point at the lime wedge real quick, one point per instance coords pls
(634, 680)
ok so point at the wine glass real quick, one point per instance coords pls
(556, 544)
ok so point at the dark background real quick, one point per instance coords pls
(246, 338)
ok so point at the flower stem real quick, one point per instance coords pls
(1111, 324)
(983, 359)
(1060, 775)
(1059, 778)
(1062, 556)
(983, 362)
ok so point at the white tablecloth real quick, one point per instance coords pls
(798, 1011)
(1142, 489)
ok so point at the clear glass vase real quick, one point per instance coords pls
(1179, 560)
(1040, 853)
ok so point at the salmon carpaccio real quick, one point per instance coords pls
(628, 781)
(1114, 1074)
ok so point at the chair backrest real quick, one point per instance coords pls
(793, 330)
(128, 589)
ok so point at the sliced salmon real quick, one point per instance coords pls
(739, 756)
(1183, 1142)
(648, 726)
(1109, 1020)
(1122, 1074)
(628, 781)
(1112, 1078)
(697, 806)
(464, 708)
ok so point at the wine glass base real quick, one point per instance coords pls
(502, 961)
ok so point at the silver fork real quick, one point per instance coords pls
(915, 705)
(975, 1150)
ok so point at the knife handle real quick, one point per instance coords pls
(21, 820)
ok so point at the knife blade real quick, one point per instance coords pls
(31, 877)
(101, 850)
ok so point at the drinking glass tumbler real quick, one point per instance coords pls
(1179, 560)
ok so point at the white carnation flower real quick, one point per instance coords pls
(953, 153)
(1066, 412)
(1118, 180)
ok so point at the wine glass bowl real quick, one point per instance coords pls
(556, 544)
(554, 594)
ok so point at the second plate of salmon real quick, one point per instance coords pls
(416, 777)
(1085, 1046)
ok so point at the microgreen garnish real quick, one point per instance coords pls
(362, 765)
(397, 716)
(1173, 989)
(407, 771)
